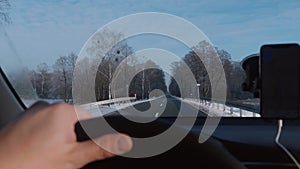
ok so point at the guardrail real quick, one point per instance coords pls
(109, 102)
(233, 106)
(117, 100)
(248, 107)
(95, 109)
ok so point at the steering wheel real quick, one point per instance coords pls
(211, 154)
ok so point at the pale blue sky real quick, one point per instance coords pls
(43, 30)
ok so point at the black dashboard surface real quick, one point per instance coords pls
(249, 142)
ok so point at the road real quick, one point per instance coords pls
(163, 107)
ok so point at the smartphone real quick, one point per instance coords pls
(280, 80)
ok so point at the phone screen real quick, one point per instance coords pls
(280, 93)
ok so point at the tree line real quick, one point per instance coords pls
(113, 61)
(233, 72)
(54, 82)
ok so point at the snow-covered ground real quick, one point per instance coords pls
(98, 110)
(29, 102)
(95, 108)
(216, 109)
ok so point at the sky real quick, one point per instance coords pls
(41, 31)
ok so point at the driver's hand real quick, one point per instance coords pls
(46, 139)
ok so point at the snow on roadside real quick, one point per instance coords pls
(29, 102)
(218, 110)
(95, 109)
(98, 110)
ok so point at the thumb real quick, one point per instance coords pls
(103, 147)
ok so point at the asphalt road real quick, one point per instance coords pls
(164, 107)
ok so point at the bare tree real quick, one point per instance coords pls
(107, 68)
(63, 75)
(203, 62)
(233, 72)
(96, 66)
(110, 59)
(20, 79)
(146, 80)
(4, 8)
(42, 78)
(181, 79)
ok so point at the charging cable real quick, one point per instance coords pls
(280, 125)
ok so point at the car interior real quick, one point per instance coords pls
(266, 139)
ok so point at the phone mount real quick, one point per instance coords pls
(250, 65)
(273, 76)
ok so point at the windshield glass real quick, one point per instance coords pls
(44, 44)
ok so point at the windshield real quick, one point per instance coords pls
(80, 52)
